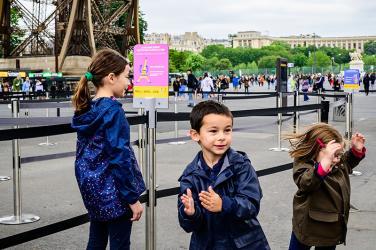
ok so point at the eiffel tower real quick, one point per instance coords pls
(70, 27)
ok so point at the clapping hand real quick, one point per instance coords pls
(188, 202)
(210, 200)
(357, 141)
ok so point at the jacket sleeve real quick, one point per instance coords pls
(246, 202)
(306, 177)
(122, 161)
(196, 221)
(352, 158)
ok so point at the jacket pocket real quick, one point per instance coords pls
(323, 216)
(248, 238)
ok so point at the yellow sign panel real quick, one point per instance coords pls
(22, 74)
(3, 74)
(351, 86)
(150, 92)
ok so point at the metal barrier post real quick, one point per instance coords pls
(176, 125)
(279, 148)
(297, 112)
(349, 109)
(220, 98)
(318, 102)
(151, 177)
(17, 217)
(176, 111)
(47, 143)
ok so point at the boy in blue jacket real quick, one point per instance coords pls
(219, 191)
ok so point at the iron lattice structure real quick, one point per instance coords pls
(70, 27)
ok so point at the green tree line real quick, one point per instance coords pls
(218, 57)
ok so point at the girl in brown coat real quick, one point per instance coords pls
(321, 172)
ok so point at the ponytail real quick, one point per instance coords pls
(81, 97)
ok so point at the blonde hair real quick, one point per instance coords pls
(304, 146)
(104, 62)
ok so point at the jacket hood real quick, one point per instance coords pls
(89, 121)
(232, 158)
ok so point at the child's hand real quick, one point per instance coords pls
(329, 153)
(188, 202)
(210, 200)
(357, 141)
(137, 210)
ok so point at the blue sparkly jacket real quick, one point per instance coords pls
(106, 169)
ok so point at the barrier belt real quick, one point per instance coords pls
(170, 116)
(246, 97)
(37, 158)
(84, 218)
(26, 133)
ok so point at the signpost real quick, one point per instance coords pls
(150, 91)
(351, 80)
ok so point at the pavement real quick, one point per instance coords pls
(49, 188)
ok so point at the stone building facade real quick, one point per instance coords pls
(254, 39)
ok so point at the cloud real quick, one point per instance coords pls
(217, 19)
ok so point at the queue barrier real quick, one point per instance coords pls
(53, 228)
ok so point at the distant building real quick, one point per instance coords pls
(254, 39)
(163, 38)
(189, 41)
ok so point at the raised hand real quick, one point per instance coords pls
(357, 141)
(210, 200)
(188, 202)
(329, 154)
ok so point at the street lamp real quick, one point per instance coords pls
(332, 65)
(314, 52)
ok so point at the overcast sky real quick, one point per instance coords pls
(218, 18)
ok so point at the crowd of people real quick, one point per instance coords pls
(207, 84)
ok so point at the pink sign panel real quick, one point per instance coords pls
(150, 65)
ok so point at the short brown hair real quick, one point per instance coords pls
(206, 108)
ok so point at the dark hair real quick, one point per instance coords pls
(104, 62)
(206, 108)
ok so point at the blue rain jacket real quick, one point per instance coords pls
(106, 168)
(236, 226)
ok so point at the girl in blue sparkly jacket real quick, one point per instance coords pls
(106, 169)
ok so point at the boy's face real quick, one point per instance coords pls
(215, 135)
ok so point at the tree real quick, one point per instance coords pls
(369, 60)
(195, 62)
(267, 62)
(142, 25)
(370, 48)
(223, 64)
(252, 65)
(300, 60)
(322, 60)
(240, 66)
(178, 59)
(210, 64)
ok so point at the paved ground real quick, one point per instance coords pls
(50, 190)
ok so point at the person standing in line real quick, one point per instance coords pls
(372, 80)
(192, 85)
(26, 85)
(106, 168)
(366, 81)
(321, 171)
(206, 86)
